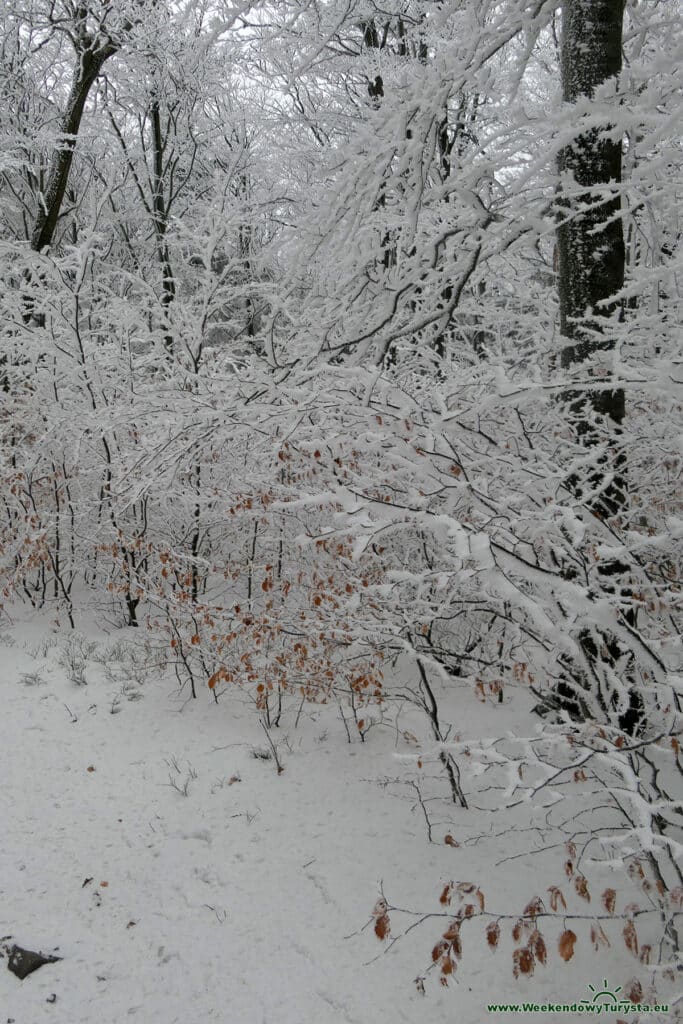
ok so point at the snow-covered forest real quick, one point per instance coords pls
(341, 373)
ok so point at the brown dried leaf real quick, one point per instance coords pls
(556, 899)
(598, 937)
(482, 902)
(439, 949)
(581, 886)
(445, 897)
(522, 962)
(534, 907)
(380, 908)
(464, 888)
(635, 871)
(447, 965)
(382, 926)
(630, 937)
(645, 954)
(609, 898)
(566, 945)
(517, 930)
(493, 934)
(453, 931)
(569, 868)
(537, 944)
(676, 897)
(634, 990)
(450, 841)
(456, 947)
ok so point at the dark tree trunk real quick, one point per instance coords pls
(590, 274)
(160, 209)
(590, 237)
(90, 63)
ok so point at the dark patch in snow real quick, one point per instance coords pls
(23, 962)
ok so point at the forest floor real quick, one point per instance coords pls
(149, 841)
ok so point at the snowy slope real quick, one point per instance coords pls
(244, 900)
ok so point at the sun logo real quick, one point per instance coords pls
(605, 995)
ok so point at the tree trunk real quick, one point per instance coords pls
(590, 273)
(90, 63)
(161, 217)
(590, 237)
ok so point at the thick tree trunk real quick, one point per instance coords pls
(590, 274)
(590, 237)
(90, 64)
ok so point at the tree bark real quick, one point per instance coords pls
(590, 237)
(160, 210)
(590, 274)
(90, 63)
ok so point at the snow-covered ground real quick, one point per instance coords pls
(181, 879)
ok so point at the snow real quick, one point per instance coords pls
(248, 899)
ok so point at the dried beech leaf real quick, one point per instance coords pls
(630, 937)
(676, 897)
(439, 949)
(534, 907)
(598, 937)
(634, 990)
(635, 871)
(447, 965)
(581, 886)
(609, 898)
(522, 962)
(566, 945)
(537, 943)
(456, 947)
(380, 908)
(557, 900)
(445, 897)
(382, 926)
(493, 934)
